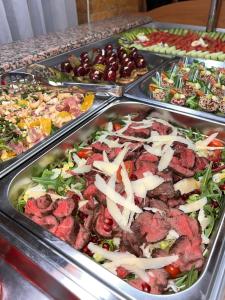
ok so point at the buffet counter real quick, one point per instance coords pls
(19, 54)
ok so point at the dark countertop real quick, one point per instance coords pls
(21, 53)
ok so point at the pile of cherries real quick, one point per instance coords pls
(107, 64)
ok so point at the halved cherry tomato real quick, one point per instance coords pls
(172, 270)
(122, 272)
(216, 143)
(222, 187)
(129, 165)
(215, 156)
(84, 153)
(117, 126)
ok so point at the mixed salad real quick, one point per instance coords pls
(192, 85)
(177, 42)
(141, 197)
(29, 113)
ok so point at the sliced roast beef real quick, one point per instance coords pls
(146, 167)
(155, 203)
(157, 252)
(99, 147)
(133, 130)
(131, 242)
(167, 175)
(82, 238)
(174, 212)
(190, 254)
(101, 227)
(94, 157)
(48, 222)
(178, 147)
(152, 227)
(200, 163)
(163, 191)
(158, 280)
(67, 229)
(161, 128)
(146, 157)
(92, 192)
(43, 201)
(177, 167)
(187, 157)
(176, 202)
(185, 225)
(65, 207)
(31, 208)
(113, 153)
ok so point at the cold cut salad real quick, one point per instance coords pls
(141, 197)
(192, 85)
(30, 113)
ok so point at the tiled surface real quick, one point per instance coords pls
(19, 54)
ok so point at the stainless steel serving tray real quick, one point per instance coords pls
(9, 165)
(12, 185)
(152, 60)
(140, 91)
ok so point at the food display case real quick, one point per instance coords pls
(50, 267)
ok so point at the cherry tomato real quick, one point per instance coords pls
(117, 126)
(129, 165)
(121, 272)
(84, 153)
(172, 270)
(216, 143)
(215, 156)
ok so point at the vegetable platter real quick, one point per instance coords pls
(195, 86)
(177, 40)
(116, 165)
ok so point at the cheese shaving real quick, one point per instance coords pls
(194, 206)
(153, 150)
(166, 158)
(204, 222)
(186, 185)
(203, 144)
(103, 187)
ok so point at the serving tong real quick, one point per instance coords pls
(102, 90)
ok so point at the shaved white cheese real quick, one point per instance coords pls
(202, 144)
(129, 193)
(129, 259)
(82, 203)
(110, 126)
(172, 235)
(76, 191)
(166, 158)
(172, 285)
(103, 187)
(56, 172)
(108, 254)
(35, 192)
(194, 206)
(108, 168)
(204, 222)
(120, 157)
(117, 215)
(116, 241)
(170, 139)
(186, 185)
(153, 150)
(146, 250)
(154, 210)
(76, 158)
(105, 157)
(148, 183)
(81, 169)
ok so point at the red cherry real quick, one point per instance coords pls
(140, 63)
(125, 71)
(108, 47)
(114, 66)
(95, 75)
(84, 60)
(110, 75)
(108, 221)
(146, 287)
(68, 68)
(99, 59)
(83, 55)
(81, 71)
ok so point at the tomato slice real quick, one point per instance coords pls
(216, 143)
(121, 272)
(117, 126)
(172, 270)
(129, 165)
(84, 153)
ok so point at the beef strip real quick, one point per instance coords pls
(200, 163)
(92, 192)
(131, 242)
(152, 227)
(67, 229)
(65, 207)
(99, 147)
(94, 157)
(187, 157)
(82, 238)
(161, 128)
(177, 167)
(146, 167)
(189, 252)
(163, 191)
(155, 203)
